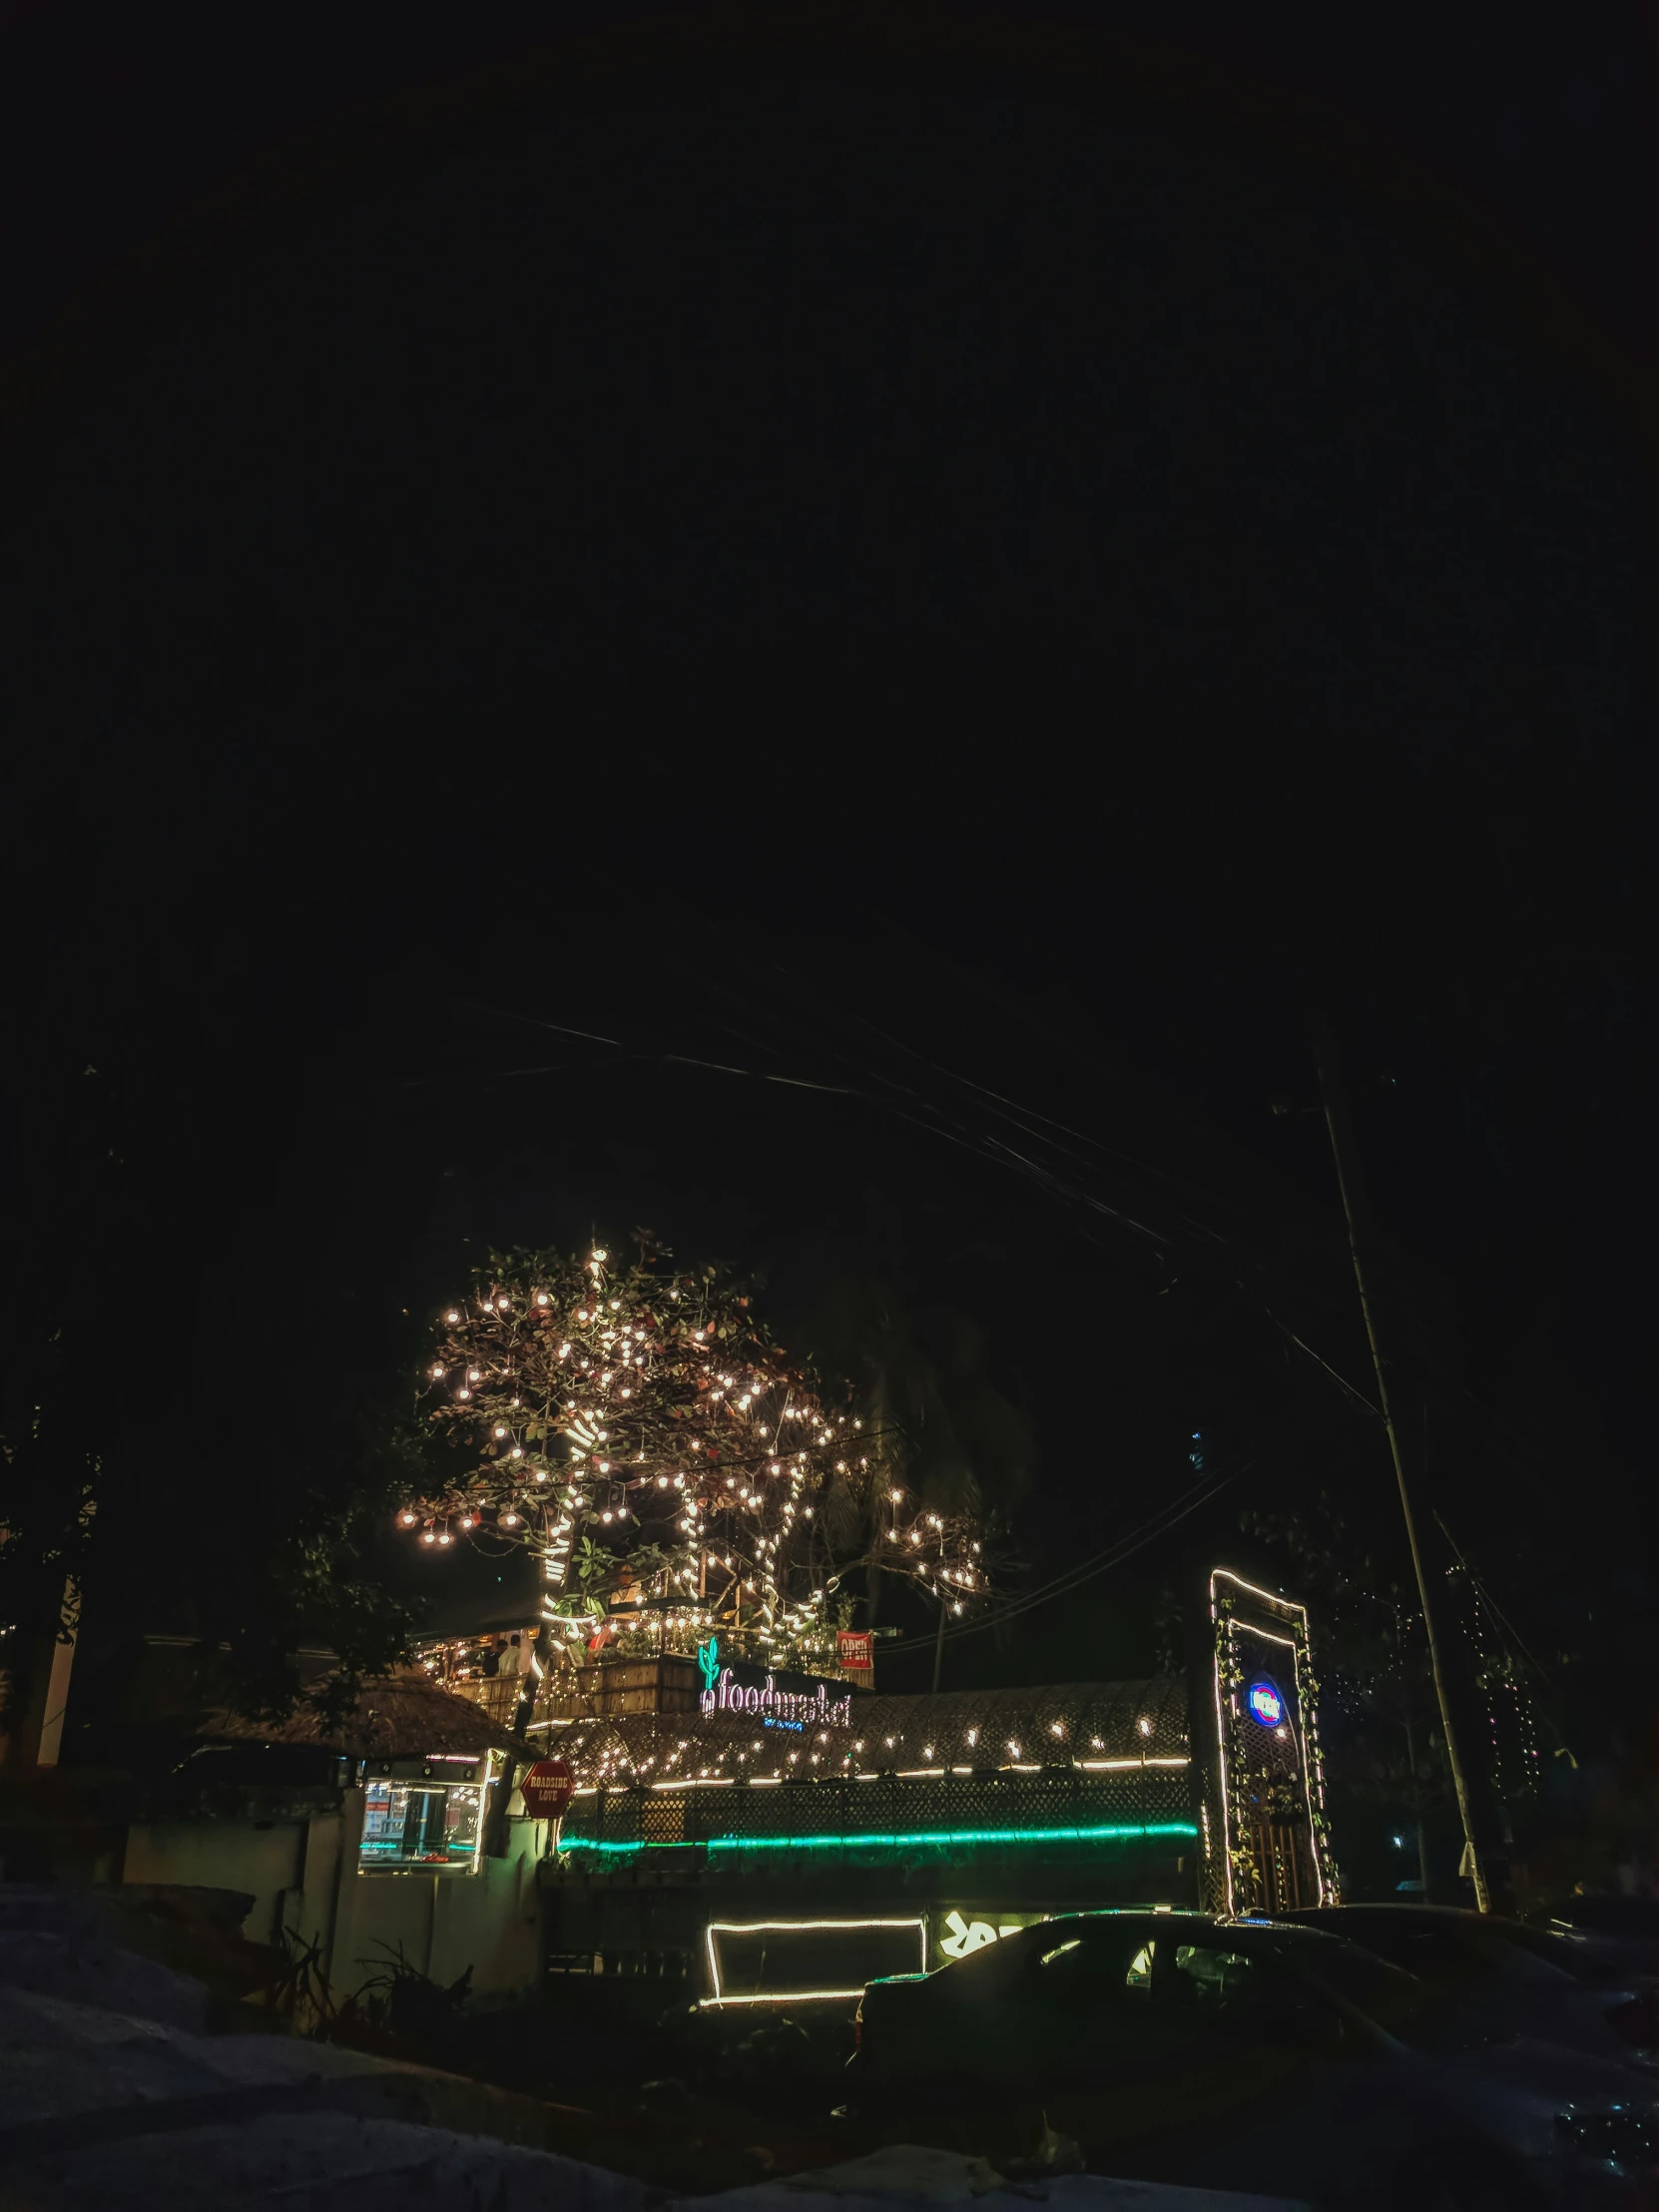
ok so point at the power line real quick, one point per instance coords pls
(1147, 1532)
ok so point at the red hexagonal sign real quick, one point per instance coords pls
(547, 1788)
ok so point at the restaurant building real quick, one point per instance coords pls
(756, 1837)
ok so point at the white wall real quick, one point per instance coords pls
(491, 1921)
(223, 1854)
(304, 1876)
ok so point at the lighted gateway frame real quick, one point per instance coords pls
(1312, 1771)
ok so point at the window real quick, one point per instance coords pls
(1248, 1997)
(1422, 2017)
(431, 1825)
(1208, 1983)
(1097, 1972)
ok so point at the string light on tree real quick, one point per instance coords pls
(639, 1431)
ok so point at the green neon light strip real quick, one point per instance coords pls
(890, 1842)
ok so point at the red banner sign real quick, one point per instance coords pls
(853, 1651)
(548, 1788)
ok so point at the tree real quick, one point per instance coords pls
(938, 1425)
(646, 1412)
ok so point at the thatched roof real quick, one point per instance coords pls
(400, 1716)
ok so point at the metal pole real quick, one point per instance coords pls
(1348, 1181)
(938, 1649)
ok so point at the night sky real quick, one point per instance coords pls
(919, 558)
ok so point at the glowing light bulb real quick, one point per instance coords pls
(451, 1315)
(428, 1537)
(499, 1429)
(437, 1375)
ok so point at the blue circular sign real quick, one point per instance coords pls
(1266, 1704)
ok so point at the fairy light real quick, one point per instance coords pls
(1310, 1760)
(547, 1352)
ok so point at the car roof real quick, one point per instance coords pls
(1390, 1906)
(1451, 1917)
(1158, 1917)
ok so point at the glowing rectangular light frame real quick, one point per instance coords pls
(789, 1997)
(1116, 1833)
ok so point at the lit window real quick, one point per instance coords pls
(434, 1826)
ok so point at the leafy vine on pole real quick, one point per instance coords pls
(638, 1431)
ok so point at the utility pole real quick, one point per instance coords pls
(1412, 1759)
(1335, 1100)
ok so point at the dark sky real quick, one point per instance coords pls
(1063, 563)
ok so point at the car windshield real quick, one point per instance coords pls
(1421, 2018)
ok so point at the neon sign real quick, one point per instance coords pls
(723, 1997)
(1110, 1833)
(1266, 1703)
(794, 1701)
(959, 1937)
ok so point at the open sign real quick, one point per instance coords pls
(1266, 1703)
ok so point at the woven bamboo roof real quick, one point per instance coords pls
(1062, 1724)
(401, 1716)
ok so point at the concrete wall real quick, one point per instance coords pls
(223, 1855)
(304, 1876)
(491, 1921)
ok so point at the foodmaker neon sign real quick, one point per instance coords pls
(796, 1705)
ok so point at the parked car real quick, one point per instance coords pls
(1245, 2054)
(1553, 1983)
(1624, 1927)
